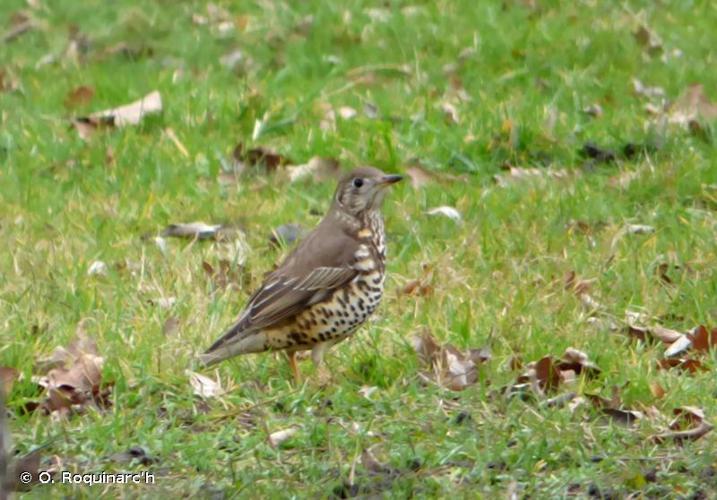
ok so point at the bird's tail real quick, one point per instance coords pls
(234, 342)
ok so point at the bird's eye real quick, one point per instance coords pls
(358, 182)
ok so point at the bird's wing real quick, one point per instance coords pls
(300, 281)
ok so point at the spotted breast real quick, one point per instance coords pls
(339, 315)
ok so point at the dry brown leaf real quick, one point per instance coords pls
(79, 96)
(171, 326)
(372, 464)
(317, 168)
(257, 157)
(657, 390)
(648, 40)
(513, 174)
(203, 386)
(278, 437)
(578, 362)
(702, 339)
(693, 106)
(8, 376)
(613, 408)
(199, 230)
(446, 211)
(74, 379)
(122, 116)
(684, 364)
(450, 113)
(689, 424)
(20, 23)
(647, 91)
(419, 176)
(450, 367)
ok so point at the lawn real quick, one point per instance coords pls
(568, 136)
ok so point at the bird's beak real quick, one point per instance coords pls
(389, 179)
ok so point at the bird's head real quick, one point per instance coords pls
(362, 190)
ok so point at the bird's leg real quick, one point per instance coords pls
(294, 368)
(317, 356)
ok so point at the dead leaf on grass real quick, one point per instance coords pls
(684, 364)
(204, 386)
(689, 424)
(130, 114)
(277, 438)
(513, 174)
(74, 379)
(170, 326)
(287, 234)
(79, 96)
(318, 169)
(257, 157)
(449, 367)
(648, 40)
(8, 376)
(446, 211)
(198, 230)
(692, 107)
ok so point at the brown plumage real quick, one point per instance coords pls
(326, 288)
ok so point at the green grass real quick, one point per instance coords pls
(498, 275)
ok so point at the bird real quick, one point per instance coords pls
(326, 288)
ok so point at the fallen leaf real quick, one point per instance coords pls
(446, 211)
(8, 376)
(234, 60)
(287, 234)
(203, 386)
(639, 229)
(594, 110)
(648, 40)
(598, 154)
(199, 230)
(79, 96)
(693, 106)
(97, 268)
(171, 326)
(689, 417)
(686, 415)
(164, 302)
(577, 361)
(20, 23)
(279, 437)
(689, 365)
(703, 339)
(317, 168)
(647, 91)
(373, 465)
(560, 400)
(347, 112)
(74, 379)
(130, 114)
(366, 391)
(450, 113)
(450, 367)
(257, 157)
(657, 390)
(513, 174)
(581, 288)
(679, 346)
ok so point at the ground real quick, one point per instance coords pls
(463, 88)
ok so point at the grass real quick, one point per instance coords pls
(530, 71)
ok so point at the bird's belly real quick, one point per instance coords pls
(336, 317)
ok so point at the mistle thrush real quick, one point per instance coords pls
(326, 288)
